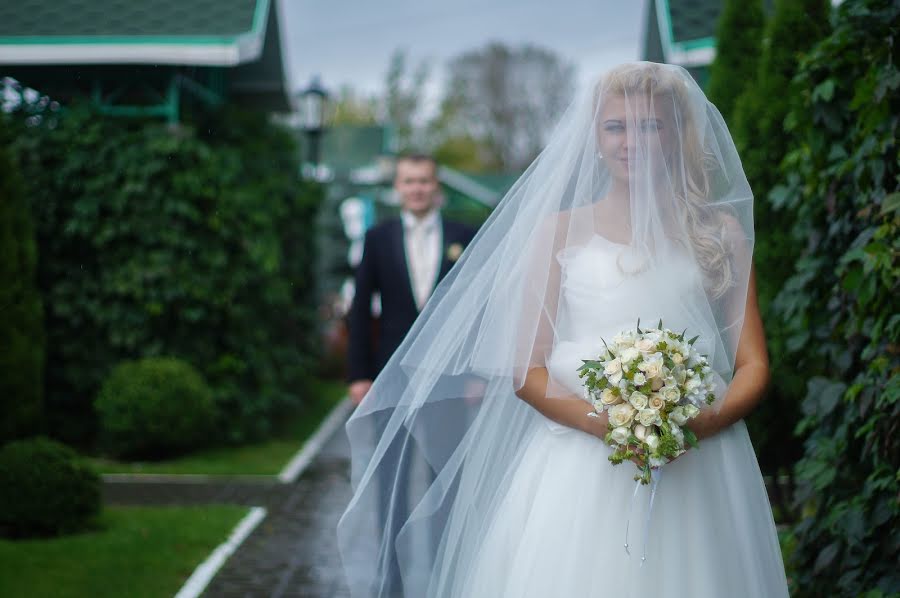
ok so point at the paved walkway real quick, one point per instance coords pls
(293, 552)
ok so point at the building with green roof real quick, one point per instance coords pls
(146, 57)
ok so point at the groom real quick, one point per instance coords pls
(403, 260)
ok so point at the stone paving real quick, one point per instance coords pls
(293, 552)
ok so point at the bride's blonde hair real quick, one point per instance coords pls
(706, 226)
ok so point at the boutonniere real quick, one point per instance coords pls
(454, 251)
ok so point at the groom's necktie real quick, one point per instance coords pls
(422, 247)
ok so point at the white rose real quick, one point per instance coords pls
(615, 378)
(629, 355)
(621, 415)
(638, 400)
(640, 432)
(645, 345)
(639, 379)
(648, 417)
(652, 441)
(612, 367)
(671, 394)
(608, 397)
(656, 402)
(622, 339)
(678, 416)
(652, 368)
(621, 434)
(678, 358)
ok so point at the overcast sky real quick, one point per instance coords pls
(351, 41)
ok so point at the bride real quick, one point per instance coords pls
(637, 209)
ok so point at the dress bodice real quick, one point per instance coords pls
(599, 299)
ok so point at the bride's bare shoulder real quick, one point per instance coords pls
(561, 221)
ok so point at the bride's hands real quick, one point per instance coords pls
(597, 424)
(706, 424)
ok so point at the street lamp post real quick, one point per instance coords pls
(311, 105)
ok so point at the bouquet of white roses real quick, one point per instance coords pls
(651, 382)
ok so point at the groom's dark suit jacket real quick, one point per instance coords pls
(383, 269)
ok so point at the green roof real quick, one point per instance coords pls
(694, 20)
(681, 31)
(131, 52)
(126, 18)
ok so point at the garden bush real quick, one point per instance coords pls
(155, 408)
(45, 489)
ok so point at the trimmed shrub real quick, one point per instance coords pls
(45, 489)
(155, 408)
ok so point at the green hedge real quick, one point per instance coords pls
(21, 316)
(155, 408)
(45, 489)
(194, 242)
(838, 312)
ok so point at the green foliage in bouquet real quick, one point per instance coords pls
(194, 242)
(21, 315)
(155, 408)
(839, 309)
(45, 489)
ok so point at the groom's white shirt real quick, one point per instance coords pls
(422, 243)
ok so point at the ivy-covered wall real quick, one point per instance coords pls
(837, 314)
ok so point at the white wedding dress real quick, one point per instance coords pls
(561, 527)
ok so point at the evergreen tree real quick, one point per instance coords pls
(21, 316)
(763, 141)
(738, 42)
(795, 27)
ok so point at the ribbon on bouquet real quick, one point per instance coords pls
(655, 477)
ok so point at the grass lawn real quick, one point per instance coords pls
(137, 552)
(264, 458)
